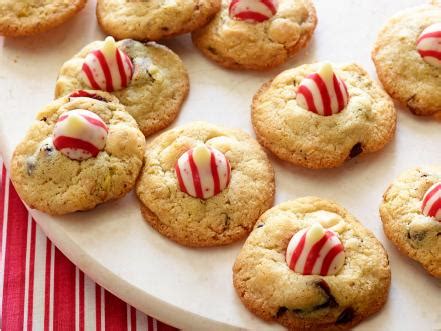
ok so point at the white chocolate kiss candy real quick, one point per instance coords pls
(431, 206)
(253, 11)
(80, 134)
(315, 251)
(107, 69)
(429, 45)
(203, 172)
(323, 93)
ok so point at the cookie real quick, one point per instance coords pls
(153, 20)
(204, 185)
(268, 285)
(409, 214)
(400, 56)
(155, 88)
(344, 114)
(24, 18)
(256, 35)
(82, 150)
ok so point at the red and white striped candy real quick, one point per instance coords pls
(107, 69)
(80, 134)
(431, 205)
(203, 172)
(323, 93)
(429, 44)
(253, 11)
(315, 251)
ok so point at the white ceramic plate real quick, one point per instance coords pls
(192, 288)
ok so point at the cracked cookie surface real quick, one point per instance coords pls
(154, 19)
(310, 140)
(24, 18)
(400, 68)
(158, 88)
(274, 292)
(49, 181)
(242, 45)
(221, 219)
(415, 234)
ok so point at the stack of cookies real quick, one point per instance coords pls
(307, 263)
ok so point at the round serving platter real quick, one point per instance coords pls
(192, 288)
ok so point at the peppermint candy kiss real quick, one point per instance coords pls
(431, 205)
(107, 69)
(429, 45)
(80, 134)
(253, 11)
(315, 251)
(203, 172)
(323, 93)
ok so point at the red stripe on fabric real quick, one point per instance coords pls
(164, 327)
(314, 254)
(81, 300)
(434, 208)
(195, 175)
(90, 77)
(47, 284)
(250, 15)
(15, 263)
(106, 70)
(215, 173)
(434, 54)
(430, 195)
(338, 92)
(333, 252)
(96, 122)
(122, 72)
(98, 307)
(270, 5)
(434, 34)
(303, 90)
(297, 252)
(64, 292)
(180, 181)
(133, 318)
(31, 274)
(68, 142)
(324, 93)
(116, 313)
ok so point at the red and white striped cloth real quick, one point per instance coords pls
(42, 290)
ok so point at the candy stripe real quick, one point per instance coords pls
(90, 77)
(270, 5)
(303, 90)
(180, 181)
(215, 174)
(435, 34)
(62, 142)
(434, 54)
(84, 94)
(324, 94)
(228, 171)
(435, 206)
(431, 193)
(335, 250)
(106, 70)
(121, 70)
(313, 254)
(297, 252)
(249, 15)
(91, 120)
(338, 92)
(195, 175)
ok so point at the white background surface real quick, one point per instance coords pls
(192, 288)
